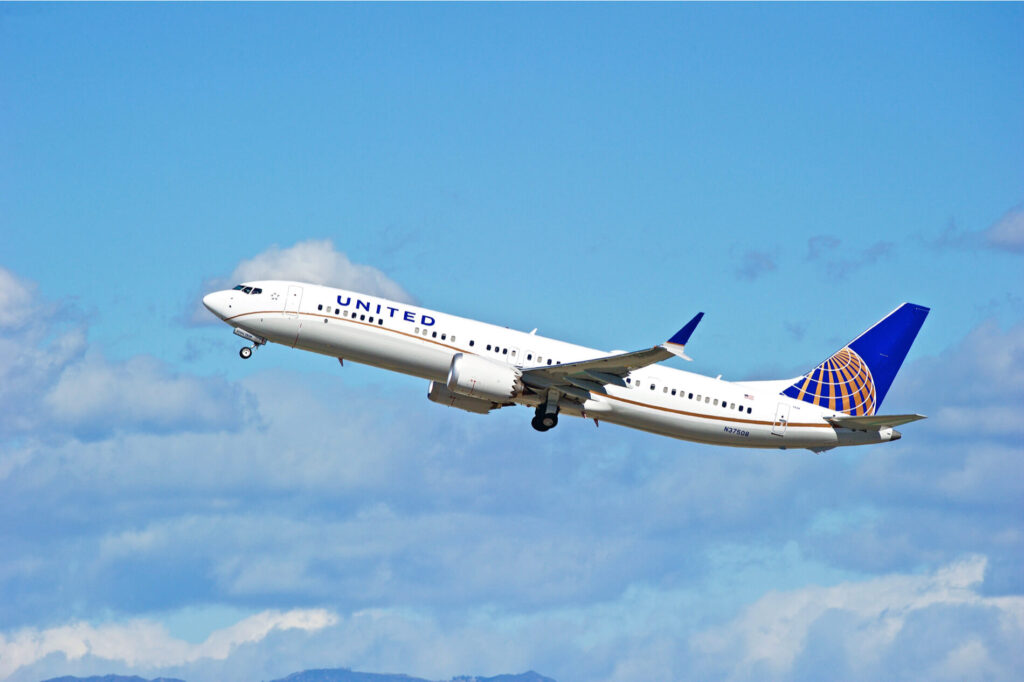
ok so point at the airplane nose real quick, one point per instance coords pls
(214, 304)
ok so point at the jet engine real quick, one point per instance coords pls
(476, 377)
(439, 393)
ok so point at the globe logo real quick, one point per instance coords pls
(842, 383)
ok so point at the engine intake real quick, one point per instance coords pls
(476, 377)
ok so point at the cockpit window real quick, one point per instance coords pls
(257, 291)
(238, 288)
(247, 290)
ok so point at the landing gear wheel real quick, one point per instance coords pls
(245, 353)
(543, 421)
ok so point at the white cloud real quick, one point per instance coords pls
(767, 638)
(317, 261)
(314, 260)
(53, 386)
(999, 420)
(97, 396)
(17, 299)
(1008, 232)
(145, 643)
(973, 387)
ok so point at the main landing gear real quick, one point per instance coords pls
(546, 416)
(542, 421)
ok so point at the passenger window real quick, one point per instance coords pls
(371, 319)
(628, 380)
(652, 387)
(443, 336)
(707, 399)
(417, 330)
(732, 406)
(748, 410)
(504, 351)
(472, 343)
(716, 402)
(336, 311)
(529, 356)
(665, 390)
(691, 397)
(488, 346)
(434, 335)
(698, 397)
(673, 391)
(453, 338)
(380, 322)
(362, 317)
(549, 361)
(320, 307)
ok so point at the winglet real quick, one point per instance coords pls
(677, 344)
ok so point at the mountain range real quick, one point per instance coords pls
(328, 675)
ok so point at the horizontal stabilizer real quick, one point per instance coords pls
(875, 422)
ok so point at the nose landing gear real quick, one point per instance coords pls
(257, 341)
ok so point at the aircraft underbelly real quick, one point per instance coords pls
(714, 431)
(376, 347)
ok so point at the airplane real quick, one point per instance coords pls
(480, 367)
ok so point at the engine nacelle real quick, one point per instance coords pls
(439, 393)
(477, 377)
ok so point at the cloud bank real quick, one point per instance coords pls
(444, 544)
(146, 644)
(862, 628)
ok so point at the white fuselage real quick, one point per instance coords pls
(421, 342)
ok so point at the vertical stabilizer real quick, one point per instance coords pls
(857, 377)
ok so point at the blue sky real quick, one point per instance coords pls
(601, 172)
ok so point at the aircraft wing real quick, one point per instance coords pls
(875, 422)
(577, 379)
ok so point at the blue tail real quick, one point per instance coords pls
(856, 379)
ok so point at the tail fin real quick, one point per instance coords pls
(857, 377)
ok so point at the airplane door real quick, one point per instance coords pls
(781, 419)
(292, 301)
